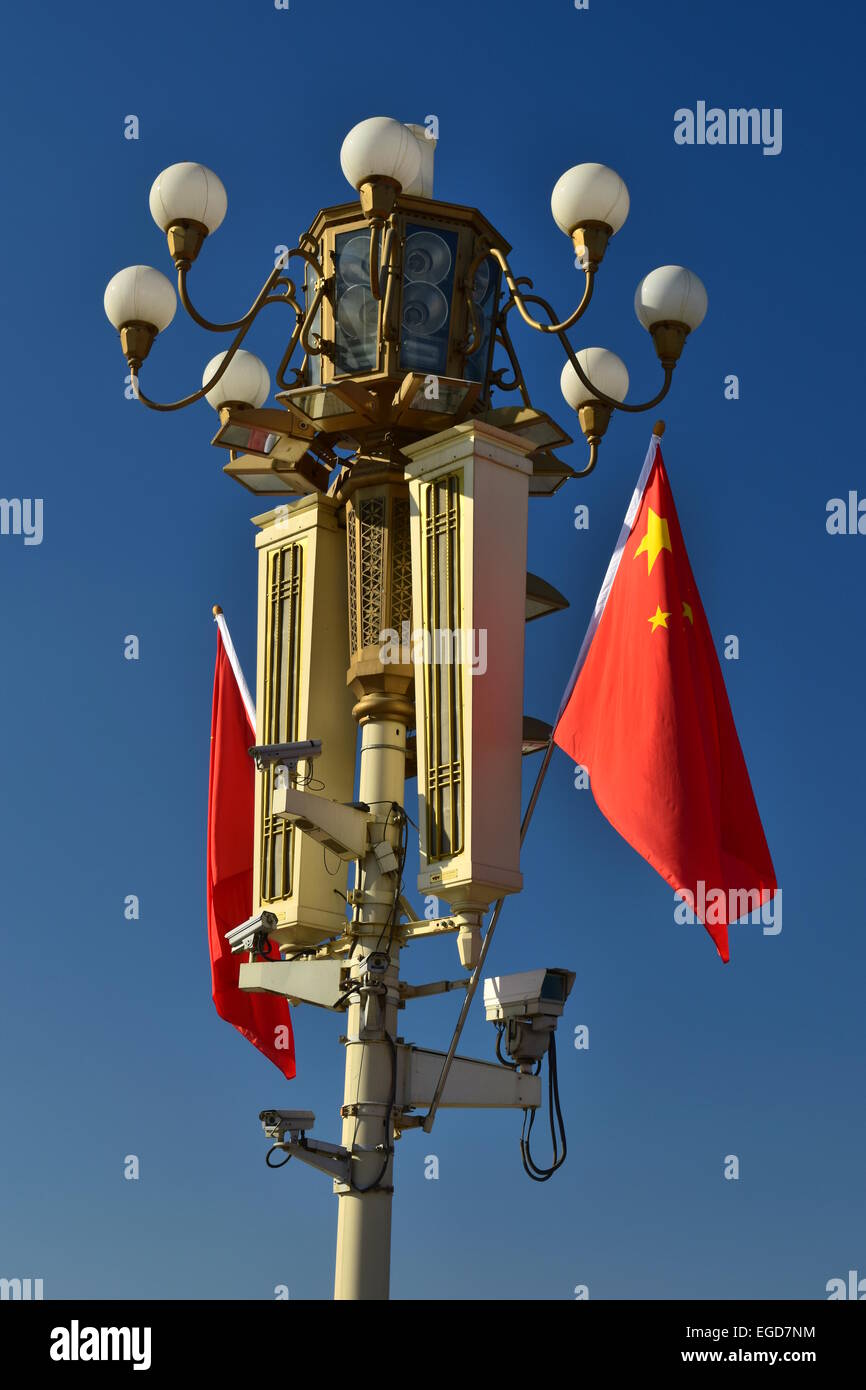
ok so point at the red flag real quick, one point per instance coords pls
(262, 1018)
(648, 717)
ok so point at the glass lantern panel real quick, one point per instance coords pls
(357, 312)
(269, 482)
(251, 438)
(320, 405)
(486, 299)
(428, 288)
(447, 400)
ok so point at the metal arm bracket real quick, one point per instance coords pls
(331, 1159)
(471, 1084)
(317, 982)
(341, 829)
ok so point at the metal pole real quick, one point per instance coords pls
(364, 1217)
(427, 1123)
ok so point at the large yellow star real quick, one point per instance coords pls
(657, 539)
(659, 619)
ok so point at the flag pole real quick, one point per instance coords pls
(222, 625)
(427, 1122)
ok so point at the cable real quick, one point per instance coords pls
(344, 998)
(387, 926)
(500, 1029)
(384, 837)
(306, 780)
(335, 871)
(533, 1170)
(271, 1150)
(389, 1145)
(390, 924)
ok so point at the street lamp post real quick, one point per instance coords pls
(388, 430)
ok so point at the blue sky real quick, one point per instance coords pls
(111, 1043)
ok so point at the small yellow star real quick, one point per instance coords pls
(687, 612)
(659, 619)
(657, 539)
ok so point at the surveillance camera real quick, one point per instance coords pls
(527, 994)
(527, 1007)
(286, 755)
(252, 935)
(278, 1123)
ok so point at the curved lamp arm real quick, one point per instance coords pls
(609, 400)
(596, 393)
(273, 279)
(593, 460)
(208, 385)
(303, 321)
(264, 297)
(522, 300)
(287, 357)
(497, 378)
(308, 321)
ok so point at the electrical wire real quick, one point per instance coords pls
(534, 1170)
(391, 923)
(500, 1029)
(306, 781)
(267, 1157)
(387, 926)
(330, 873)
(389, 1143)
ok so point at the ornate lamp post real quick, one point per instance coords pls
(396, 288)
(388, 429)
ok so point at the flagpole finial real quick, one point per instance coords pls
(659, 428)
(217, 610)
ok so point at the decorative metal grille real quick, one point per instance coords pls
(401, 565)
(281, 693)
(352, 538)
(443, 680)
(371, 524)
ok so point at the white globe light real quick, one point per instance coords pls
(140, 294)
(606, 371)
(246, 380)
(670, 294)
(589, 193)
(380, 147)
(188, 193)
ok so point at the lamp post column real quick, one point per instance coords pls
(364, 1220)
(377, 527)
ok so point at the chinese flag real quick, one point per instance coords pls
(262, 1018)
(648, 717)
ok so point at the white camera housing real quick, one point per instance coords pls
(527, 995)
(249, 936)
(278, 1123)
(526, 1009)
(286, 755)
